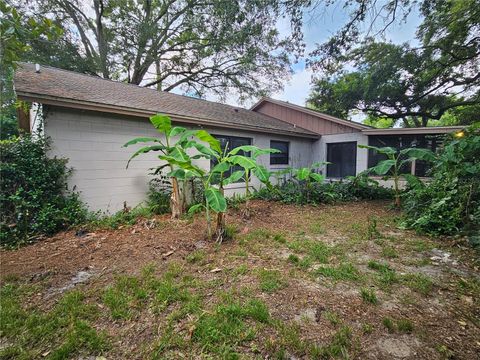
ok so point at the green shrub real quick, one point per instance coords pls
(451, 201)
(33, 192)
(351, 189)
(158, 197)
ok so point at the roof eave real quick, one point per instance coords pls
(115, 109)
(414, 131)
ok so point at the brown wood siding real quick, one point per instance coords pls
(306, 121)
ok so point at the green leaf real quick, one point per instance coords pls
(236, 175)
(162, 123)
(195, 208)
(383, 167)
(177, 130)
(215, 200)
(302, 173)
(214, 143)
(142, 140)
(179, 155)
(419, 153)
(220, 167)
(317, 177)
(262, 173)
(144, 150)
(177, 173)
(205, 150)
(383, 150)
(243, 161)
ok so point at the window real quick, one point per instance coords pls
(342, 158)
(399, 142)
(231, 142)
(280, 158)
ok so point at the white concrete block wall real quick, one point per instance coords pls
(92, 142)
(320, 148)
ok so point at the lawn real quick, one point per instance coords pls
(333, 281)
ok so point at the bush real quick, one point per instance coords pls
(33, 192)
(356, 188)
(158, 197)
(451, 201)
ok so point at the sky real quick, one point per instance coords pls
(318, 26)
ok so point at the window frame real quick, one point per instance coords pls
(273, 156)
(229, 142)
(355, 156)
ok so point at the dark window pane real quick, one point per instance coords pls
(400, 142)
(280, 158)
(231, 142)
(343, 159)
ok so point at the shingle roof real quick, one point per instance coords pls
(52, 84)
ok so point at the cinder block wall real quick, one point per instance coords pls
(92, 142)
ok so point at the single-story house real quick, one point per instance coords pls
(89, 119)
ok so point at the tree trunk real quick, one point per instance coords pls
(220, 230)
(175, 200)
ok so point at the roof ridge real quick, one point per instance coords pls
(97, 77)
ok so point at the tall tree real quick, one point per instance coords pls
(413, 85)
(17, 31)
(195, 46)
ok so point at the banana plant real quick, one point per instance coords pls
(391, 168)
(172, 152)
(309, 176)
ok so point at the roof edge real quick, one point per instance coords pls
(416, 130)
(121, 110)
(306, 110)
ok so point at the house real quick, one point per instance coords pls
(89, 119)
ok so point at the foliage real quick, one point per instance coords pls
(158, 197)
(400, 82)
(396, 160)
(193, 46)
(17, 31)
(33, 195)
(354, 188)
(173, 154)
(450, 202)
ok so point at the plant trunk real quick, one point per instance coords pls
(175, 200)
(397, 192)
(246, 208)
(220, 229)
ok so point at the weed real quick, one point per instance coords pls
(372, 231)
(404, 325)
(419, 283)
(367, 328)
(319, 252)
(280, 238)
(345, 271)
(339, 345)
(294, 259)
(386, 275)
(121, 218)
(224, 328)
(389, 324)
(196, 256)
(125, 295)
(420, 245)
(368, 296)
(389, 252)
(241, 270)
(230, 231)
(317, 228)
(241, 253)
(271, 280)
(332, 317)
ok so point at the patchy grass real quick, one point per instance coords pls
(369, 296)
(62, 332)
(419, 283)
(271, 280)
(342, 272)
(313, 303)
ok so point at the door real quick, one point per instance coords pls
(343, 159)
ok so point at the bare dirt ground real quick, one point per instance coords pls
(337, 281)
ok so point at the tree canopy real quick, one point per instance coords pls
(414, 84)
(192, 46)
